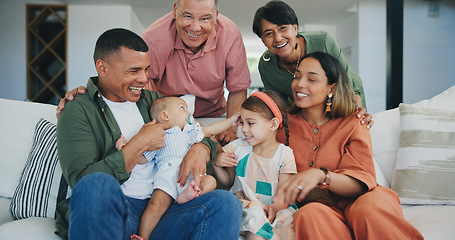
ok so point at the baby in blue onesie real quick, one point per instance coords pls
(184, 131)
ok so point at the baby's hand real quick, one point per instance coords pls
(121, 142)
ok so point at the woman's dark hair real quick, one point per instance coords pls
(276, 12)
(255, 104)
(111, 40)
(343, 96)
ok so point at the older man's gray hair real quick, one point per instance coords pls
(177, 3)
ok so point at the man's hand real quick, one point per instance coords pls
(149, 138)
(152, 134)
(194, 162)
(227, 136)
(69, 96)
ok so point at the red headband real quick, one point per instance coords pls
(270, 103)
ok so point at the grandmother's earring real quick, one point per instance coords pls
(329, 103)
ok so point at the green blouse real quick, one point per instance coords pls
(316, 41)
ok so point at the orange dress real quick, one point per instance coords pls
(344, 146)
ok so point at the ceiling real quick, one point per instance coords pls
(326, 12)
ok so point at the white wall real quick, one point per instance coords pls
(372, 52)
(348, 39)
(429, 50)
(85, 24)
(136, 24)
(13, 80)
(254, 49)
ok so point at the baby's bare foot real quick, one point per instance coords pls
(136, 237)
(190, 193)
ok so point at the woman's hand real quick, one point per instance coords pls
(296, 187)
(69, 96)
(367, 118)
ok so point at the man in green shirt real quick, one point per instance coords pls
(87, 130)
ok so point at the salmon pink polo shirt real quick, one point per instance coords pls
(176, 71)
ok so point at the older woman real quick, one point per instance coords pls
(276, 24)
(336, 183)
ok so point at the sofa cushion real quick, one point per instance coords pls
(433, 222)
(41, 185)
(5, 213)
(380, 177)
(426, 157)
(17, 126)
(30, 228)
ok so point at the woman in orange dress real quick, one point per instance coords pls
(336, 182)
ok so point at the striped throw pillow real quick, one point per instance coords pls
(425, 167)
(41, 186)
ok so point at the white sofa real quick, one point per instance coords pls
(19, 120)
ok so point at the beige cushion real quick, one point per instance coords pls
(386, 130)
(425, 167)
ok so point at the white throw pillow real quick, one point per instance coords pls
(18, 123)
(380, 177)
(385, 135)
(41, 185)
(425, 166)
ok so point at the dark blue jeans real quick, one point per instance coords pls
(100, 210)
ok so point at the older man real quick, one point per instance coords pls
(114, 103)
(195, 50)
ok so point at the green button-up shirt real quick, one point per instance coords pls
(86, 136)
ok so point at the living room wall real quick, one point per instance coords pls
(12, 48)
(85, 24)
(429, 52)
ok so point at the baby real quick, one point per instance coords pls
(181, 135)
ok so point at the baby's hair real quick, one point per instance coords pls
(257, 105)
(157, 107)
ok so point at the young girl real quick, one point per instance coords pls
(263, 164)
